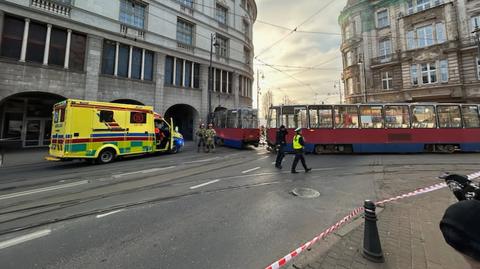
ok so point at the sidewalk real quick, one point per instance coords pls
(409, 235)
(22, 156)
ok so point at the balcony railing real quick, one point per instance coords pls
(132, 32)
(469, 41)
(385, 59)
(350, 41)
(184, 46)
(60, 7)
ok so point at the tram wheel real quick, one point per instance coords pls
(318, 149)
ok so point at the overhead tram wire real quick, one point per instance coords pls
(294, 30)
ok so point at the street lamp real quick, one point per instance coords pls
(213, 42)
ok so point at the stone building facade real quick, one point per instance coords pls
(149, 52)
(410, 51)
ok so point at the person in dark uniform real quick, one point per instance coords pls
(280, 142)
(298, 145)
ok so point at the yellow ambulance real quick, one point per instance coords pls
(100, 132)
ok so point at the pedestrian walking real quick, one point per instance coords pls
(201, 137)
(298, 145)
(210, 138)
(280, 143)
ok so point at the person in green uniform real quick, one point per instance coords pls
(201, 137)
(210, 138)
(298, 146)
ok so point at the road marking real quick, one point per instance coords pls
(109, 213)
(263, 158)
(250, 170)
(24, 238)
(143, 171)
(51, 188)
(204, 160)
(204, 184)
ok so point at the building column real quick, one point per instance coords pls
(94, 52)
(23, 53)
(236, 90)
(193, 75)
(1, 29)
(46, 52)
(130, 62)
(159, 76)
(175, 71)
(214, 79)
(204, 86)
(183, 73)
(117, 50)
(142, 75)
(67, 49)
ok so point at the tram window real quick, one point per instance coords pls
(273, 120)
(423, 117)
(449, 117)
(346, 117)
(320, 116)
(470, 116)
(232, 119)
(301, 118)
(288, 120)
(397, 117)
(371, 116)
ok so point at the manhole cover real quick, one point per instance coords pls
(305, 193)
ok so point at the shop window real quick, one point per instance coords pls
(148, 66)
(188, 74)
(123, 59)
(108, 57)
(320, 116)
(196, 76)
(169, 62)
(346, 117)
(224, 81)
(179, 73)
(423, 117)
(218, 85)
(397, 117)
(136, 63)
(77, 52)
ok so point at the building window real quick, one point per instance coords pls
(185, 32)
(108, 57)
(188, 74)
(169, 61)
(410, 40)
(349, 58)
(58, 43)
(385, 48)
(440, 32)
(243, 3)
(36, 42)
(222, 48)
(444, 70)
(221, 14)
(179, 72)
(246, 28)
(429, 73)
(230, 78)
(414, 74)
(123, 60)
(382, 19)
(132, 13)
(187, 3)
(119, 66)
(425, 36)
(350, 89)
(196, 75)
(387, 80)
(475, 22)
(247, 55)
(420, 5)
(77, 51)
(12, 37)
(478, 68)
(136, 63)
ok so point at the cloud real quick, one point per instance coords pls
(299, 49)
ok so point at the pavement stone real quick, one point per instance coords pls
(408, 232)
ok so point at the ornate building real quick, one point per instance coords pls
(410, 51)
(151, 52)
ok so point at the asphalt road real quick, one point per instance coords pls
(230, 209)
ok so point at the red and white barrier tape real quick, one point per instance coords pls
(350, 216)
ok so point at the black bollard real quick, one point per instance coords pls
(372, 249)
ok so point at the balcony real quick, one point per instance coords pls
(350, 41)
(385, 59)
(60, 7)
(132, 32)
(468, 42)
(184, 46)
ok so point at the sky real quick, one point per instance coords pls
(298, 49)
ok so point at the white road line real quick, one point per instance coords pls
(143, 171)
(204, 184)
(51, 188)
(24, 238)
(263, 158)
(109, 213)
(250, 170)
(204, 160)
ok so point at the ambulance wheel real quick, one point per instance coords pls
(106, 156)
(174, 150)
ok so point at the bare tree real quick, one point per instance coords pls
(267, 102)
